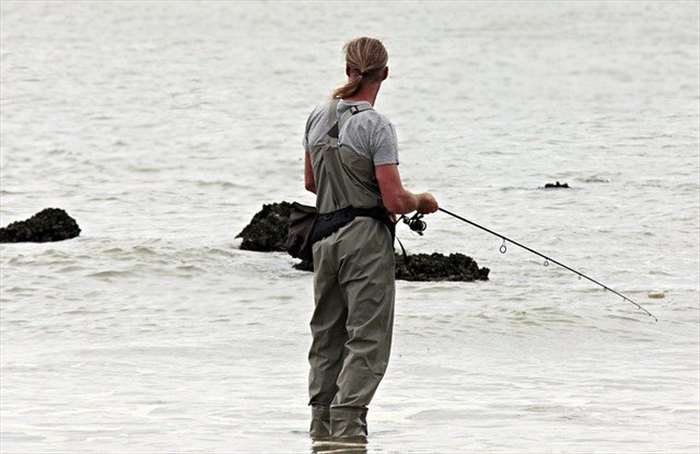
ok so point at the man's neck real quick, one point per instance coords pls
(367, 93)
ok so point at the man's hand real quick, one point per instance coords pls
(426, 203)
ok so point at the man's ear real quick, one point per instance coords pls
(386, 73)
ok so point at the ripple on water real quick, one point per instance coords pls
(16, 289)
(84, 311)
(70, 269)
(190, 270)
(215, 183)
(144, 250)
(593, 179)
(109, 274)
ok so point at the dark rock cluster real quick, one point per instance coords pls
(50, 224)
(267, 232)
(304, 265)
(430, 267)
(556, 185)
(439, 267)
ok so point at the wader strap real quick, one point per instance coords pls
(335, 122)
(333, 119)
(360, 108)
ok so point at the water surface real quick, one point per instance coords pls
(163, 126)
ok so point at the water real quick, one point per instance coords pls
(162, 127)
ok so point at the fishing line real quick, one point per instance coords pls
(547, 259)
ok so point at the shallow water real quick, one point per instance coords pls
(162, 128)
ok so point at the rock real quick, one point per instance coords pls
(304, 265)
(430, 267)
(438, 267)
(50, 224)
(267, 231)
(556, 185)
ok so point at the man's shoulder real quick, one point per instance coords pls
(374, 120)
(320, 110)
(369, 115)
(381, 119)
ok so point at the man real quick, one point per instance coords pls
(351, 161)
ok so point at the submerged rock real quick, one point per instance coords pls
(556, 185)
(438, 267)
(50, 224)
(267, 231)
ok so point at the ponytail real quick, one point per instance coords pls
(365, 58)
(350, 88)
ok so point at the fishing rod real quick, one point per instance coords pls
(416, 224)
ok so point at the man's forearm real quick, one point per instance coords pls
(402, 203)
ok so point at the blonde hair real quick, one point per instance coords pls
(365, 58)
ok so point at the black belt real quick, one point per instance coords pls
(329, 223)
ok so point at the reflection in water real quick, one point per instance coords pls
(328, 447)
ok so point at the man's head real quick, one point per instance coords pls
(365, 63)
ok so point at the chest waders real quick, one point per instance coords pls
(353, 290)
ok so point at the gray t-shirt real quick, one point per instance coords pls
(368, 133)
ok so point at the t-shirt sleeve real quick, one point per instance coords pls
(305, 139)
(385, 146)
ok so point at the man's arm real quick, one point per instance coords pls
(309, 182)
(396, 198)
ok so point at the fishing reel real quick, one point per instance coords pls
(416, 223)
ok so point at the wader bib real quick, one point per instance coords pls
(353, 290)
